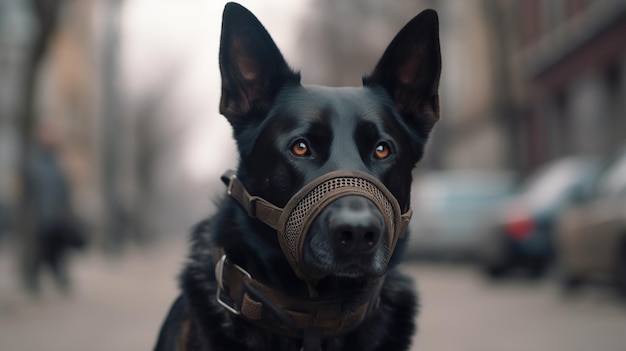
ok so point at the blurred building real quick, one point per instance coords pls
(526, 82)
(344, 40)
(475, 89)
(571, 57)
(523, 82)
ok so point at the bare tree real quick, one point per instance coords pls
(505, 108)
(116, 217)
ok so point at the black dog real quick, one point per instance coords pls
(301, 255)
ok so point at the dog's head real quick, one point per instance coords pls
(289, 135)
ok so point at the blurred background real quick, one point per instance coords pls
(111, 148)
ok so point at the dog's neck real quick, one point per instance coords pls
(266, 291)
(310, 318)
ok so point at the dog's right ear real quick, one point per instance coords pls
(253, 69)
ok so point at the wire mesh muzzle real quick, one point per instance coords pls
(304, 207)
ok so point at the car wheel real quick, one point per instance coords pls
(495, 270)
(570, 284)
(495, 260)
(568, 281)
(538, 269)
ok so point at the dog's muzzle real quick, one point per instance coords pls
(294, 220)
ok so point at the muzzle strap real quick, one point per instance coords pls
(255, 206)
(294, 220)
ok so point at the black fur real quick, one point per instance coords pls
(269, 111)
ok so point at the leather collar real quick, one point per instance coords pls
(278, 312)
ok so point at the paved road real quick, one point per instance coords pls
(463, 311)
(119, 305)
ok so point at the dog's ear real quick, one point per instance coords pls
(253, 69)
(409, 71)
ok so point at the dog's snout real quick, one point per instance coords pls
(356, 228)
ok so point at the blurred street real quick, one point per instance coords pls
(117, 303)
(112, 145)
(120, 304)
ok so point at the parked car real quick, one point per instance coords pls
(447, 211)
(591, 234)
(520, 233)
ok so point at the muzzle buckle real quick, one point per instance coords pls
(250, 205)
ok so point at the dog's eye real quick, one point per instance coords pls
(300, 148)
(382, 151)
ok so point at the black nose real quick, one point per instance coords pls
(356, 226)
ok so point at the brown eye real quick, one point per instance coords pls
(382, 151)
(300, 148)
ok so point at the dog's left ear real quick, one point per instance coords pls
(253, 69)
(409, 71)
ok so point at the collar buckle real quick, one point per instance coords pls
(219, 277)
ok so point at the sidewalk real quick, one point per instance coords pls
(119, 304)
(116, 304)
